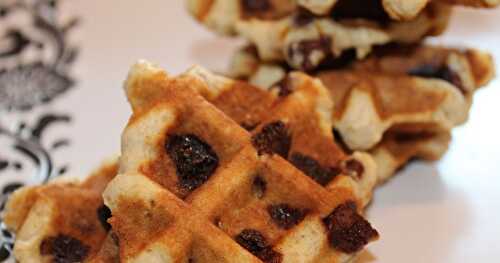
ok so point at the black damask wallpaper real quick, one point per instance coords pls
(36, 58)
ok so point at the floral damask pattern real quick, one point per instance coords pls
(36, 58)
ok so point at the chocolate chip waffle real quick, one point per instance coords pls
(396, 85)
(387, 9)
(222, 14)
(196, 187)
(306, 41)
(64, 221)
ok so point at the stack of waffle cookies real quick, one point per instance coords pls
(394, 97)
(276, 161)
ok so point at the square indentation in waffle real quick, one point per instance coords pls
(244, 207)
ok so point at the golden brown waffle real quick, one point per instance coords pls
(397, 85)
(380, 10)
(195, 186)
(306, 41)
(62, 221)
(393, 9)
(401, 145)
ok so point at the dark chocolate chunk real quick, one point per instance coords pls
(410, 137)
(371, 10)
(313, 169)
(353, 168)
(341, 61)
(259, 187)
(255, 6)
(306, 48)
(348, 231)
(194, 159)
(103, 214)
(253, 241)
(284, 86)
(286, 216)
(273, 138)
(64, 249)
(441, 72)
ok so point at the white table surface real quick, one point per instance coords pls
(443, 212)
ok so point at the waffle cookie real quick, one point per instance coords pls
(62, 221)
(306, 41)
(380, 10)
(388, 9)
(196, 187)
(397, 85)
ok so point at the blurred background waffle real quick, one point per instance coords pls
(457, 208)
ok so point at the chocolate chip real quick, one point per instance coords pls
(259, 187)
(256, 6)
(348, 231)
(284, 86)
(313, 169)
(341, 61)
(194, 159)
(268, 255)
(306, 48)
(103, 214)
(426, 71)
(441, 72)
(371, 10)
(286, 216)
(408, 137)
(353, 168)
(64, 249)
(253, 241)
(273, 138)
(303, 17)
